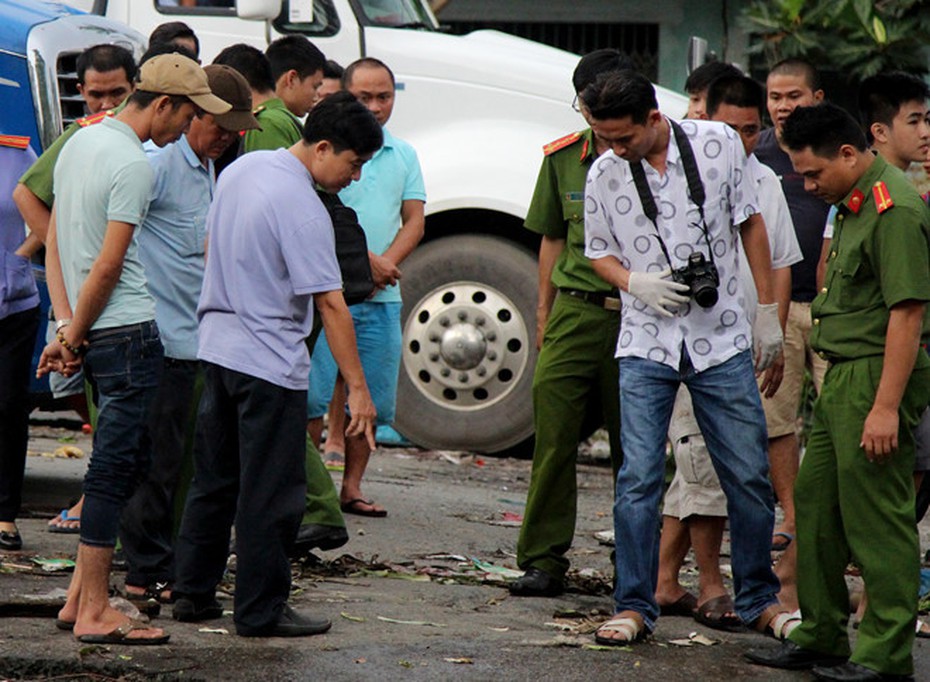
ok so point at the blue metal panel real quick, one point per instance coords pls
(17, 17)
(17, 115)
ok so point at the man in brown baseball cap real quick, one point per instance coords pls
(171, 247)
(175, 74)
(106, 315)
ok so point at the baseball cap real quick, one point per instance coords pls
(174, 74)
(231, 86)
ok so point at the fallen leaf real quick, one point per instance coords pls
(214, 631)
(460, 661)
(405, 664)
(410, 622)
(354, 619)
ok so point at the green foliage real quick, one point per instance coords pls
(857, 37)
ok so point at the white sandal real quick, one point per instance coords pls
(633, 629)
(783, 623)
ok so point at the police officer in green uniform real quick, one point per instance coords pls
(280, 128)
(297, 71)
(855, 491)
(575, 387)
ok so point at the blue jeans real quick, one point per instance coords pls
(729, 412)
(123, 365)
(378, 336)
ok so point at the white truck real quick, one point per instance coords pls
(478, 109)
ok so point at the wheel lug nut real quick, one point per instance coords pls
(434, 357)
(445, 372)
(491, 336)
(481, 371)
(443, 321)
(492, 355)
(463, 378)
(434, 337)
(462, 315)
(480, 321)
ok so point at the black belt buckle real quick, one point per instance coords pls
(604, 301)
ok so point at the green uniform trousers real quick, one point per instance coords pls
(575, 386)
(321, 503)
(849, 508)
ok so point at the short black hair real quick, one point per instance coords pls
(824, 128)
(251, 63)
(881, 97)
(701, 78)
(294, 52)
(346, 123)
(165, 48)
(595, 63)
(171, 31)
(103, 58)
(619, 94)
(143, 98)
(796, 66)
(738, 91)
(333, 69)
(367, 62)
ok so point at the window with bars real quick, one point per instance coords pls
(639, 41)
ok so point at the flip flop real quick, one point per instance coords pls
(352, 507)
(683, 606)
(334, 461)
(65, 530)
(120, 635)
(921, 632)
(713, 614)
(782, 546)
(66, 625)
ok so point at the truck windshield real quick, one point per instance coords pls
(396, 14)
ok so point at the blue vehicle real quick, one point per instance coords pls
(39, 46)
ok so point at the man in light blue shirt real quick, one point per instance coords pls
(389, 200)
(106, 316)
(171, 247)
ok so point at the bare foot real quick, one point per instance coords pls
(108, 621)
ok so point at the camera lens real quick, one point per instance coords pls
(705, 294)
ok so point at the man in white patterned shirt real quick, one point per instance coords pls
(665, 197)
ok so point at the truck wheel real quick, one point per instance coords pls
(469, 353)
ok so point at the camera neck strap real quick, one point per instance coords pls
(695, 187)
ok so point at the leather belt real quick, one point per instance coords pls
(601, 300)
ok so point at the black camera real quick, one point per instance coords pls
(701, 277)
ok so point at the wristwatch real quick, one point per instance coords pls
(60, 324)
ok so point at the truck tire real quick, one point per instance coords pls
(469, 345)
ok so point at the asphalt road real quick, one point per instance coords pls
(415, 596)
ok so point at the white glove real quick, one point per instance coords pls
(657, 292)
(766, 335)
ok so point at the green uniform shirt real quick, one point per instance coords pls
(880, 256)
(557, 209)
(39, 176)
(280, 128)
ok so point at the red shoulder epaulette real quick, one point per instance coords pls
(561, 143)
(93, 118)
(883, 199)
(14, 141)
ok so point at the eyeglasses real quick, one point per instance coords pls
(576, 104)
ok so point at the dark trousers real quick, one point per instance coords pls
(17, 338)
(147, 523)
(248, 467)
